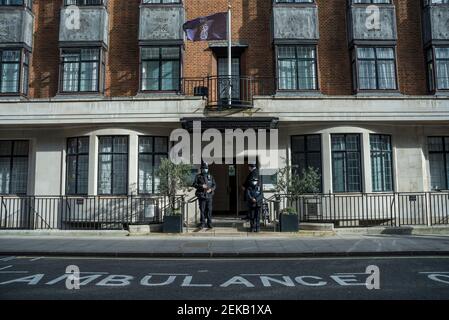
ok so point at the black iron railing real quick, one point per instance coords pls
(112, 213)
(367, 209)
(82, 213)
(224, 92)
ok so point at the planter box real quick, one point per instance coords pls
(172, 224)
(289, 223)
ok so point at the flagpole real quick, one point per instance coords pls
(230, 52)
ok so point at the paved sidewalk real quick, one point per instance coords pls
(160, 246)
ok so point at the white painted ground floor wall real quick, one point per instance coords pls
(48, 143)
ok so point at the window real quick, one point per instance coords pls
(113, 165)
(13, 167)
(306, 153)
(77, 166)
(429, 2)
(297, 68)
(375, 68)
(346, 163)
(372, 1)
(161, 1)
(381, 163)
(27, 3)
(439, 162)
(160, 68)
(151, 151)
(81, 70)
(438, 68)
(294, 1)
(83, 2)
(14, 71)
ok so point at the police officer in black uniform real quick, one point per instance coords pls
(253, 174)
(205, 188)
(254, 198)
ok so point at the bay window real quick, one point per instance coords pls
(160, 68)
(80, 70)
(381, 163)
(77, 166)
(439, 162)
(84, 2)
(13, 167)
(297, 68)
(438, 68)
(113, 165)
(306, 153)
(346, 163)
(14, 66)
(374, 68)
(151, 152)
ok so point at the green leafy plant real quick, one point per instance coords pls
(294, 185)
(289, 210)
(175, 179)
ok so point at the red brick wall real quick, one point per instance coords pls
(44, 65)
(410, 54)
(122, 71)
(251, 25)
(333, 55)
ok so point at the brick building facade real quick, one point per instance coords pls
(359, 92)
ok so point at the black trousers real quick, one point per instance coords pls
(254, 216)
(205, 211)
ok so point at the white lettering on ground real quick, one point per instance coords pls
(146, 281)
(116, 280)
(347, 279)
(188, 283)
(301, 280)
(31, 280)
(237, 280)
(286, 281)
(438, 276)
(84, 280)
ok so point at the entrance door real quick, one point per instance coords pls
(221, 197)
(223, 82)
(229, 196)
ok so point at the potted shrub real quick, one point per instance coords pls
(288, 220)
(173, 222)
(174, 181)
(293, 186)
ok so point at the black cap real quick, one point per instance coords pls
(204, 165)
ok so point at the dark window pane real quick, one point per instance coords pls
(160, 145)
(83, 174)
(145, 173)
(5, 148)
(298, 144)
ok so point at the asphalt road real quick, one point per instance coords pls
(231, 279)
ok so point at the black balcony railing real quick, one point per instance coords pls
(223, 92)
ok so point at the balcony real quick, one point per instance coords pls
(217, 90)
(91, 28)
(16, 26)
(367, 22)
(435, 23)
(293, 22)
(162, 23)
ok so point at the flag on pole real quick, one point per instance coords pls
(208, 28)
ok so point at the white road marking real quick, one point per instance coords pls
(7, 259)
(7, 267)
(38, 258)
(260, 274)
